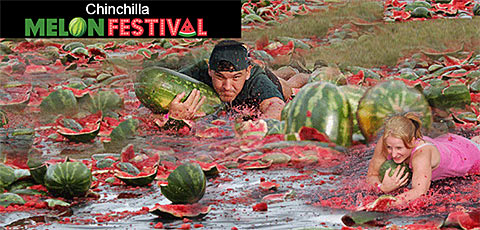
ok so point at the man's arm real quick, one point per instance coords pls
(272, 107)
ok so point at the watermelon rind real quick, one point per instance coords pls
(175, 211)
(128, 168)
(7, 176)
(362, 217)
(445, 96)
(10, 198)
(80, 137)
(37, 170)
(210, 169)
(72, 45)
(138, 180)
(68, 179)
(186, 184)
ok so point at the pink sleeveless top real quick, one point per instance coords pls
(458, 156)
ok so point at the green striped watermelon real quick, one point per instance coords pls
(391, 164)
(386, 99)
(61, 101)
(413, 5)
(68, 179)
(77, 27)
(354, 93)
(38, 169)
(122, 134)
(7, 176)
(444, 96)
(186, 184)
(72, 45)
(323, 106)
(10, 198)
(156, 87)
(105, 101)
(421, 12)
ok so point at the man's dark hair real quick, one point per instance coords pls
(229, 55)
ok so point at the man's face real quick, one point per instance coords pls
(229, 84)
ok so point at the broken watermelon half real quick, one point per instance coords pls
(80, 130)
(172, 211)
(144, 178)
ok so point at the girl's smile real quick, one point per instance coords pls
(397, 149)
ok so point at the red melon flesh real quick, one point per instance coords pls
(170, 211)
(381, 204)
(463, 220)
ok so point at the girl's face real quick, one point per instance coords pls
(397, 149)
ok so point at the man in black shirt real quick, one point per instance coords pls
(236, 81)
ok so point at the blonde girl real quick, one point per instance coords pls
(429, 159)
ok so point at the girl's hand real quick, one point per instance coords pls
(395, 181)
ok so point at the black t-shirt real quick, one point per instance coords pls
(256, 89)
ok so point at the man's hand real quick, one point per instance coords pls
(186, 110)
(395, 181)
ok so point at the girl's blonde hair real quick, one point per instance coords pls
(406, 127)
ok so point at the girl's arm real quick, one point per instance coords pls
(421, 178)
(375, 163)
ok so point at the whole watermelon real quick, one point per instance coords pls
(68, 179)
(156, 87)
(353, 93)
(323, 106)
(386, 99)
(391, 164)
(186, 184)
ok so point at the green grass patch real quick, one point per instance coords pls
(391, 41)
(384, 45)
(318, 23)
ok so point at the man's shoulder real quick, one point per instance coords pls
(198, 71)
(260, 86)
